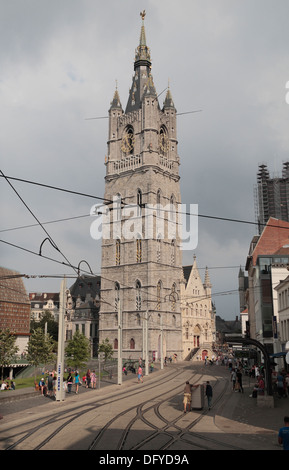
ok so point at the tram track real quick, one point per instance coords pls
(182, 433)
(69, 417)
(161, 432)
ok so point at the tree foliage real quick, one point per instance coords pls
(48, 319)
(40, 347)
(106, 348)
(8, 348)
(78, 351)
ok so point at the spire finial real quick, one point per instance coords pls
(143, 14)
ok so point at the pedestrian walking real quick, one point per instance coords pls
(233, 379)
(50, 384)
(139, 375)
(283, 435)
(93, 379)
(88, 378)
(209, 394)
(187, 396)
(76, 381)
(239, 378)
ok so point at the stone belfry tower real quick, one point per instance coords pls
(141, 256)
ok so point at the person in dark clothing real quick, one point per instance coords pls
(209, 394)
(239, 378)
(69, 382)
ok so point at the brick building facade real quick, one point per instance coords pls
(14, 307)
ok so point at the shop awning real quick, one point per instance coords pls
(280, 354)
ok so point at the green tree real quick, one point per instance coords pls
(47, 318)
(77, 351)
(106, 348)
(8, 348)
(40, 347)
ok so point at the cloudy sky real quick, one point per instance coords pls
(59, 62)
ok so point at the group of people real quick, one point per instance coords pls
(48, 386)
(8, 386)
(73, 378)
(237, 380)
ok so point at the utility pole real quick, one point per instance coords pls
(146, 341)
(119, 355)
(60, 349)
(162, 353)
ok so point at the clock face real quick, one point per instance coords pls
(128, 140)
(164, 142)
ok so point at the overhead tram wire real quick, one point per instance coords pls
(68, 264)
(38, 221)
(45, 223)
(109, 201)
(74, 267)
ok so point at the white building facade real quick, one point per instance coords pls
(198, 316)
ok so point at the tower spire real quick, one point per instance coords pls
(142, 41)
(115, 103)
(168, 103)
(207, 278)
(142, 80)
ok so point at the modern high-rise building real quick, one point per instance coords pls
(141, 256)
(271, 196)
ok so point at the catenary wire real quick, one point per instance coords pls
(109, 201)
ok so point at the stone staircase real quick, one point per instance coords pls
(197, 352)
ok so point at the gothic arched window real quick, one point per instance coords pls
(163, 141)
(173, 296)
(172, 216)
(138, 250)
(132, 344)
(116, 295)
(158, 249)
(139, 202)
(173, 252)
(159, 203)
(138, 295)
(117, 252)
(128, 140)
(118, 207)
(159, 294)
